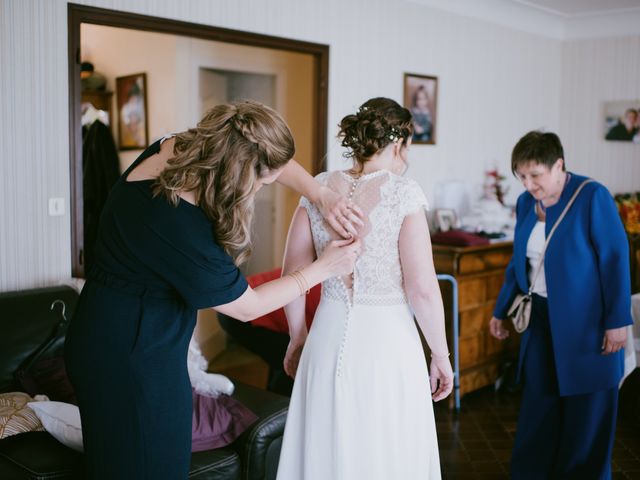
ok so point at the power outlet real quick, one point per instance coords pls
(56, 207)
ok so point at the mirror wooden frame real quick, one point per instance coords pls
(78, 14)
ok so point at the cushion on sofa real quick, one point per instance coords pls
(62, 421)
(15, 416)
(276, 320)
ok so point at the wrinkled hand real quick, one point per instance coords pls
(340, 256)
(292, 357)
(344, 217)
(441, 378)
(614, 340)
(497, 330)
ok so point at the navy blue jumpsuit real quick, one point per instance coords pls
(126, 349)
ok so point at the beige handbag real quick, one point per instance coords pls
(520, 310)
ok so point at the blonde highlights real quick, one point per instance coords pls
(221, 160)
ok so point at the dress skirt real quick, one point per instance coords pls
(361, 405)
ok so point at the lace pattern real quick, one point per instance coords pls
(386, 200)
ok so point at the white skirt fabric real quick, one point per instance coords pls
(361, 405)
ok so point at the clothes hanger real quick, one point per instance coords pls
(90, 114)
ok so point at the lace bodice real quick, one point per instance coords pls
(386, 200)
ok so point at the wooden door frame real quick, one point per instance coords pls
(78, 14)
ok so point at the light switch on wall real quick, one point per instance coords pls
(56, 207)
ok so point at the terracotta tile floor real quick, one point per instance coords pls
(476, 443)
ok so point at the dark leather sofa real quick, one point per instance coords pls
(29, 326)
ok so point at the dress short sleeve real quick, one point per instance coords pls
(198, 269)
(412, 198)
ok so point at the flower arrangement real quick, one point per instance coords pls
(629, 209)
(494, 185)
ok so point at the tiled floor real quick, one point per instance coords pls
(476, 443)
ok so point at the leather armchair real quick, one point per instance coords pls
(27, 322)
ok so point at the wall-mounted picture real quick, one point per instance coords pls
(420, 97)
(131, 98)
(446, 219)
(622, 121)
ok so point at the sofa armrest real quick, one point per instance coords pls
(259, 446)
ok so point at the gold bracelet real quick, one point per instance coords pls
(302, 282)
(295, 277)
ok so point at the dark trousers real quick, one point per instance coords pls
(568, 437)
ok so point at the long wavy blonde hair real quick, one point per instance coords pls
(221, 161)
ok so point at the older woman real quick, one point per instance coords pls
(570, 357)
(173, 230)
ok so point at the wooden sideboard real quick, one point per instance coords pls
(479, 272)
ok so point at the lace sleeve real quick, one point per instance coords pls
(413, 198)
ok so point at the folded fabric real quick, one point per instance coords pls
(62, 421)
(458, 238)
(218, 421)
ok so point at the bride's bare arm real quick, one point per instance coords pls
(299, 252)
(423, 293)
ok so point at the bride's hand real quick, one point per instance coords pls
(292, 357)
(342, 216)
(441, 378)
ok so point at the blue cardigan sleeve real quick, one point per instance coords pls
(612, 249)
(509, 288)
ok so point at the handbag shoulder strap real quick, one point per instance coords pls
(553, 229)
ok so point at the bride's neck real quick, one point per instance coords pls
(380, 161)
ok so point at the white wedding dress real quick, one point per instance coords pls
(361, 405)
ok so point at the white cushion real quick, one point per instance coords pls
(62, 421)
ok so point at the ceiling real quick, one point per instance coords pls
(582, 8)
(560, 19)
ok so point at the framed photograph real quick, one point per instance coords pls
(131, 101)
(446, 219)
(622, 121)
(421, 98)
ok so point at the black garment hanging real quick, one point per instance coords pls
(100, 171)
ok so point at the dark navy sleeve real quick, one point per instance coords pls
(196, 266)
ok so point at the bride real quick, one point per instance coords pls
(361, 405)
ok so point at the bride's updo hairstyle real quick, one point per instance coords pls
(377, 123)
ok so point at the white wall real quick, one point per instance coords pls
(495, 84)
(595, 71)
(116, 52)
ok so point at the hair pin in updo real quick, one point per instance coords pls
(363, 109)
(394, 134)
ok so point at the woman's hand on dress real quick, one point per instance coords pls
(441, 377)
(340, 256)
(614, 340)
(344, 217)
(292, 357)
(496, 328)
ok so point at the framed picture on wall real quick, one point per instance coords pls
(131, 100)
(446, 219)
(622, 121)
(421, 98)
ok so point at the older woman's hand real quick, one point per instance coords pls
(496, 328)
(343, 216)
(614, 340)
